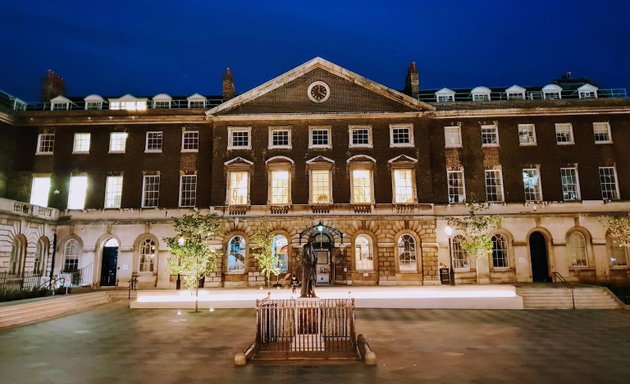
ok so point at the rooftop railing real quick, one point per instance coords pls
(616, 93)
(104, 105)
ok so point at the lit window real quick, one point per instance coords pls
(236, 255)
(320, 186)
(456, 187)
(40, 189)
(552, 92)
(162, 101)
(401, 135)
(238, 190)
(190, 141)
(601, 131)
(81, 143)
(531, 184)
(515, 93)
(113, 191)
(363, 253)
(453, 136)
(445, 95)
(239, 138)
(564, 133)
(71, 256)
(196, 101)
(154, 141)
(608, 183)
(147, 256)
(128, 103)
(489, 135)
(150, 191)
(281, 252)
(480, 94)
(570, 184)
(461, 259)
(18, 256)
(117, 142)
(279, 181)
(494, 185)
(407, 258)
(481, 97)
(279, 137)
(362, 186)
(93, 102)
(587, 91)
(404, 191)
(499, 251)
(188, 191)
(45, 143)
(59, 103)
(319, 137)
(617, 253)
(526, 134)
(576, 248)
(78, 192)
(360, 136)
(41, 252)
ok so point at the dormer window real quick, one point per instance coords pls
(93, 102)
(515, 93)
(128, 103)
(162, 101)
(480, 94)
(59, 103)
(552, 92)
(587, 91)
(196, 101)
(445, 95)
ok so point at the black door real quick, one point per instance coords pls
(108, 268)
(538, 254)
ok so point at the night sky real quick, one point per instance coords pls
(182, 47)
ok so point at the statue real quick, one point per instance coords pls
(309, 269)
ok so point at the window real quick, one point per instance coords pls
(531, 184)
(494, 185)
(499, 251)
(40, 189)
(456, 189)
(78, 192)
(71, 256)
(188, 190)
(319, 137)
(407, 258)
(552, 92)
(401, 135)
(526, 134)
(147, 256)
(162, 101)
(279, 137)
(41, 252)
(18, 255)
(281, 252)
(196, 101)
(564, 133)
(576, 249)
(150, 191)
(445, 98)
(587, 91)
(481, 97)
(93, 102)
(238, 190)
(236, 255)
(239, 137)
(45, 143)
(363, 253)
(453, 136)
(154, 141)
(608, 183)
(362, 186)
(461, 259)
(190, 141)
(570, 184)
(279, 180)
(81, 143)
(404, 191)
(360, 136)
(320, 186)
(128, 103)
(113, 191)
(601, 131)
(117, 142)
(489, 135)
(617, 253)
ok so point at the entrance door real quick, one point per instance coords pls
(538, 255)
(323, 266)
(110, 261)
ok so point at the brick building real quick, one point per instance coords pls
(367, 174)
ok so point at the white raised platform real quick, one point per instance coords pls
(457, 297)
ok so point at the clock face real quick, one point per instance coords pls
(318, 92)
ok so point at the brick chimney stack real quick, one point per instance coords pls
(229, 90)
(52, 86)
(412, 82)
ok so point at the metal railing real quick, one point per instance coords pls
(22, 282)
(557, 277)
(81, 105)
(618, 93)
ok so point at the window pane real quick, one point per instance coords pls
(281, 251)
(361, 186)
(570, 189)
(401, 136)
(117, 141)
(40, 190)
(494, 185)
(526, 134)
(154, 142)
(531, 184)
(363, 253)
(407, 258)
(280, 138)
(319, 137)
(188, 191)
(113, 191)
(320, 186)
(576, 246)
(151, 195)
(453, 136)
(240, 138)
(360, 136)
(190, 141)
(78, 192)
(601, 132)
(460, 256)
(71, 256)
(608, 183)
(46, 143)
(147, 256)
(456, 191)
(403, 186)
(564, 133)
(236, 255)
(81, 142)
(489, 135)
(279, 187)
(239, 188)
(499, 251)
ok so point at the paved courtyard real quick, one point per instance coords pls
(112, 344)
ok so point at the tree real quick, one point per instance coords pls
(191, 257)
(618, 229)
(264, 253)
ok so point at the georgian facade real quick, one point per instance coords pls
(367, 174)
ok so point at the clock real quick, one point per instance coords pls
(318, 92)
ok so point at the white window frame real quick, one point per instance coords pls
(565, 186)
(194, 141)
(192, 193)
(492, 130)
(370, 171)
(228, 195)
(616, 195)
(312, 129)
(38, 197)
(602, 128)
(498, 175)
(115, 138)
(364, 261)
(232, 131)
(462, 195)
(393, 127)
(147, 256)
(413, 194)
(242, 252)
(81, 143)
(113, 192)
(494, 253)
(161, 141)
(72, 251)
(538, 191)
(412, 265)
(453, 131)
(274, 129)
(77, 197)
(530, 128)
(145, 198)
(45, 138)
(312, 198)
(271, 197)
(577, 260)
(352, 128)
(564, 129)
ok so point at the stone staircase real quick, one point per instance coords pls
(40, 309)
(560, 297)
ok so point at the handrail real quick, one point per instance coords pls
(558, 277)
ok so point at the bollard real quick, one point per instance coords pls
(240, 359)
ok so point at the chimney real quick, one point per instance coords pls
(412, 82)
(229, 90)
(52, 86)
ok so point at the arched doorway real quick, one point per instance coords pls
(539, 257)
(109, 263)
(322, 247)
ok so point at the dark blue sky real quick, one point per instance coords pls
(181, 47)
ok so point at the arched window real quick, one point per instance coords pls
(576, 248)
(41, 252)
(460, 256)
(363, 253)
(407, 258)
(499, 251)
(617, 254)
(147, 256)
(236, 254)
(71, 256)
(16, 262)
(281, 251)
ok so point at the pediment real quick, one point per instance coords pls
(361, 159)
(238, 161)
(347, 92)
(402, 159)
(320, 160)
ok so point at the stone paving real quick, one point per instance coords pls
(112, 344)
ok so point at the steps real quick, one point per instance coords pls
(40, 309)
(560, 298)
